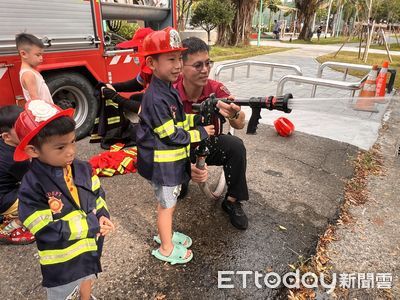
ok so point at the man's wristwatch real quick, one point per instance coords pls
(235, 116)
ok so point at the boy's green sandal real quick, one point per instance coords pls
(177, 255)
(178, 239)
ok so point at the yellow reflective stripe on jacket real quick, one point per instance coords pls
(38, 220)
(78, 225)
(100, 203)
(165, 129)
(184, 125)
(95, 183)
(50, 257)
(190, 119)
(97, 120)
(194, 136)
(113, 120)
(109, 102)
(171, 155)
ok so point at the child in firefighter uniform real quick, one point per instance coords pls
(11, 173)
(163, 140)
(61, 203)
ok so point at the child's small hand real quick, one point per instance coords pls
(210, 130)
(106, 226)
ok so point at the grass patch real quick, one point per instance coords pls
(324, 41)
(352, 57)
(226, 53)
(393, 47)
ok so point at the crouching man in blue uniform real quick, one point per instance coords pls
(60, 201)
(163, 139)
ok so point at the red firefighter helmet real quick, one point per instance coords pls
(137, 39)
(283, 126)
(162, 41)
(36, 115)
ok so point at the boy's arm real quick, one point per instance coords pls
(164, 127)
(36, 215)
(28, 82)
(101, 206)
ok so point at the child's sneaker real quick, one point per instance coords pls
(19, 236)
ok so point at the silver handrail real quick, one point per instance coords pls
(346, 66)
(48, 42)
(351, 86)
(116, 52)
(249, 63)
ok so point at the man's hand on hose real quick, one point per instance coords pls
(228, 110)
(199, 175)
(233, 113)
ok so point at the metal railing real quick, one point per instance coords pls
(345, 66)
(250, 63)
(351, 86)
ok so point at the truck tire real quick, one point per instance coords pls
(71, 89)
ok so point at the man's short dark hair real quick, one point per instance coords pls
(194, 45)
(60, 126)
(8, 116)
(26, 40)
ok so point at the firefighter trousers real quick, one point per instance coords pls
(229, 151)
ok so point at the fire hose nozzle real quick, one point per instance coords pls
(279, 103)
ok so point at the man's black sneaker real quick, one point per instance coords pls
(236, 214)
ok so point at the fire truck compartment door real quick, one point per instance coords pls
(68, 24)
(6, 90)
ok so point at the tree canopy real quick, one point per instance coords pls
(208, 14)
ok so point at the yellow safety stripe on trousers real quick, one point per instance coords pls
(131, 151)
(109, 102)
(126, 161)
(116, 147)
(165, 129)
(38, 220)
(184, 125)
(100, 203)
(95, 137)
(97, 120)
(51, 257)
(95, 182)
(171, 155)
(113, 120)
(77, 224)
(190, 119)
(108, 172)
(194, 136)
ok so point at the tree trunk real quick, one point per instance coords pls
(307, 9)
(238, 31)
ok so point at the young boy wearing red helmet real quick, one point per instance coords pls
(11, 173)
(163, 139)
(60, 201)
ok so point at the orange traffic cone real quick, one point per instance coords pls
(381, 81)
(368, 91)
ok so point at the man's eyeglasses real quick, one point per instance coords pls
(200, 65)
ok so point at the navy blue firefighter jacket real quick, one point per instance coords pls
(164, 136)
(66, 232)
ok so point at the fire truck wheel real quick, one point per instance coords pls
(74, 90)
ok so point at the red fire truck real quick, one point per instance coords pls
(78, 50)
